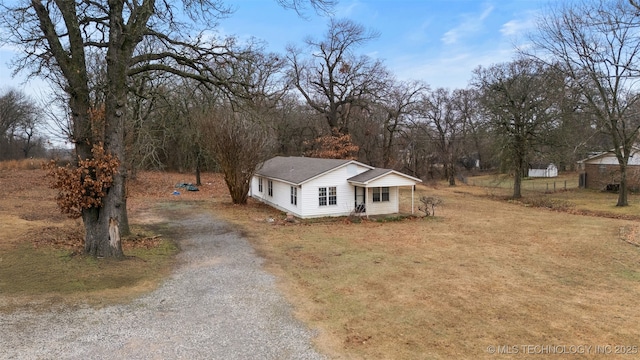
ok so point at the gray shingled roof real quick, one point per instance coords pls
(369, 175)
(297, 170)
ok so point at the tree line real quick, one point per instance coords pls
(155, 91)
(20, 127)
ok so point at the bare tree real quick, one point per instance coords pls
(521, 101)
(474, 144)
(446, 120)
(59, 37)
(399, 103)
(334, 81)
(18, 122)
(596, 45)
(240, 142)
(417, 151)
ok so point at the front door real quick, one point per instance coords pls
(359, 205)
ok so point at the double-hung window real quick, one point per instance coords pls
(333, 196)
(260, 184)
(322, 196)
(327, 196)
(270, 187)
(380, 194)
(294, 195)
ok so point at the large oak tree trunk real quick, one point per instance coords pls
(102, 235)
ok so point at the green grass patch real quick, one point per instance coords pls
(26, 270)
(36, 274)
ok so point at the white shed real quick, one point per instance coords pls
(313, 187)
(547, 171)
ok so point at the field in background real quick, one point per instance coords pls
(500, 182)
(551, 193)
(485, 273)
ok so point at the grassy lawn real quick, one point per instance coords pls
(41, 261)
(541, 191)
(567, 180)
(483, 272)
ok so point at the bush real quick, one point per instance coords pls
(429, 204)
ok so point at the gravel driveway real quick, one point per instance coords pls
(218, 304)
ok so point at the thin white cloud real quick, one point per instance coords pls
(517, 27)
(347, 9)
(450, 70)
(512, 27)
(471, 24)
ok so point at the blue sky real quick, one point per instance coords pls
(437, 41)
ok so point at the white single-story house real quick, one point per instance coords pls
(312, 187)
(543, 170)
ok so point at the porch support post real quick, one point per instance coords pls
(412, 187)
(366, 207)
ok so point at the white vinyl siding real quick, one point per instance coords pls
(309, 196)
(281, 198)
(391, 180)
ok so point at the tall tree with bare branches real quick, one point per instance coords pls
(334, 80)
(18, 120)
(596, 45)
(446, 120)
(135, 37)
(521, 100)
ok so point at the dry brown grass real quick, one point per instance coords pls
(40, 249)
(503, 184)
(24, 164)
(484, 272)
(481, 273)
(540, 193)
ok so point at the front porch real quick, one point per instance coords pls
(380, 200)
(377, 191)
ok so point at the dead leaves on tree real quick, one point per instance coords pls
(84, 186)
(333, 146)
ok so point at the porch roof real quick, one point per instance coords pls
(374, 174)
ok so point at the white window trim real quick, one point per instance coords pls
(327, 196)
